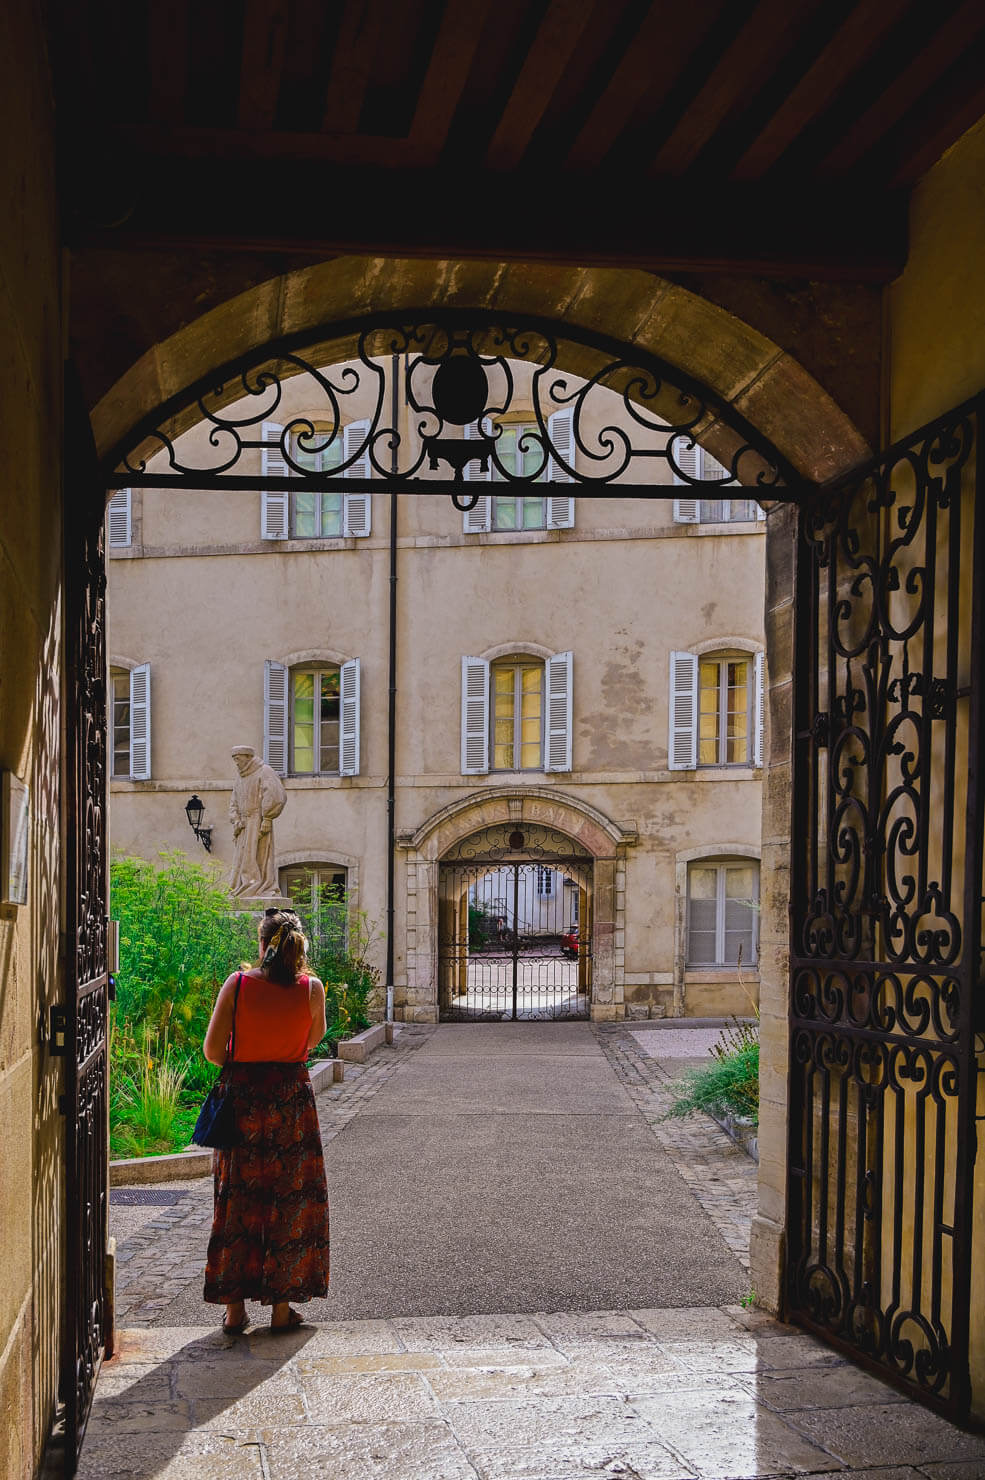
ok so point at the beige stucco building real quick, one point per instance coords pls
(584, 671)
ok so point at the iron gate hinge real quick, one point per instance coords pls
(57, 1030)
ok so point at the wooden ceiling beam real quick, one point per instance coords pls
(851, 45)
(557, 38)
(756, 54)
(426, 213)
(223, 145)
(941, 51)
(265, 27)
(167, 75)
(445, 79)
(654, 59)
(352, 65)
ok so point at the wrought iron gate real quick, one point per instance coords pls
(87, 980)
(514, 940)
(888, 1005)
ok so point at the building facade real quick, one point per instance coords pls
(578, 720)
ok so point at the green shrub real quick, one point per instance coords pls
(729, 1082)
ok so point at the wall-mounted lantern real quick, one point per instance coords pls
(195, 811)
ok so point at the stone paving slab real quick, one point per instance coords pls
(542, 1396)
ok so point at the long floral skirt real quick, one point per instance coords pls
(270, 1227)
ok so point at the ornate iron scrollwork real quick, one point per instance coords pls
(886, 911)
(463, 377)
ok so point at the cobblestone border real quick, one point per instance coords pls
(723, 1179)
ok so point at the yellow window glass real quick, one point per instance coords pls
(303, 726)
(708, 710)
(737, 727)
(503, 719)
(530, 716)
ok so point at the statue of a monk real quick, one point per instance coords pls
(258, 797)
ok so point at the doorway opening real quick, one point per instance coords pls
(515, 928)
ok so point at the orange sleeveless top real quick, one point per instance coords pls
(272, 1022)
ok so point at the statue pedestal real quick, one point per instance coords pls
(256, 904)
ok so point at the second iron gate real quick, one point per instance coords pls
(514, 940)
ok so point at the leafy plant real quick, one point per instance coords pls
(730, 1081)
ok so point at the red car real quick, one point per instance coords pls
(569, 945)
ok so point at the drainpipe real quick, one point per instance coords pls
(392, 713)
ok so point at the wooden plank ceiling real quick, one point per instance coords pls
(768, 137)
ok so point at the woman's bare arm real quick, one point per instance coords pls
(221, 1022)
(316, 1001)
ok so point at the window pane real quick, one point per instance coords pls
(303, 726)
(506, 452)
(703, 883)
(329, 721)
(504, 509)
(305, 515)
(712, 511)
(504, 683)
(534, 516)
(737, 743)
(708, 707)
(740, 883)
(743, 509)
(331, 514)
(121, 724)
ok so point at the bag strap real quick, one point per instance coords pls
(231, 1040)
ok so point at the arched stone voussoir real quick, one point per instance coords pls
(710, 346)
(521, 804)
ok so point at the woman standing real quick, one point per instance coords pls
(270, 1227)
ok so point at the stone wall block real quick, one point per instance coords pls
(687, 330)
(814, 434)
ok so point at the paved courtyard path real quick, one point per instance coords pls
(537, 1277)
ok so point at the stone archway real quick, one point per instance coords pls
(602, 841)
(749, 372)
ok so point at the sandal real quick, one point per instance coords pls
(236, 1330)
(294, 1320)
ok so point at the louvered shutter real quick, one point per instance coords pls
(472, 472)
(558, 728)
(353, 437)
(475, 716)
(119, 520)
(561, 432)
(274, 504)
(140, 723)
(275, 707)
(479, 519)
(758, 707)
(686, 511)
(358, 514)
(688, 458)
(559, 514)
(349, 718)
(682, 744)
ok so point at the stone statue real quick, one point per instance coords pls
(258, 797)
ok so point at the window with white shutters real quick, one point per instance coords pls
(516, 714)
(140, 721)
(304, 513)
(716, 710)
(119, 519)
(722, 912)
(311, 718)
